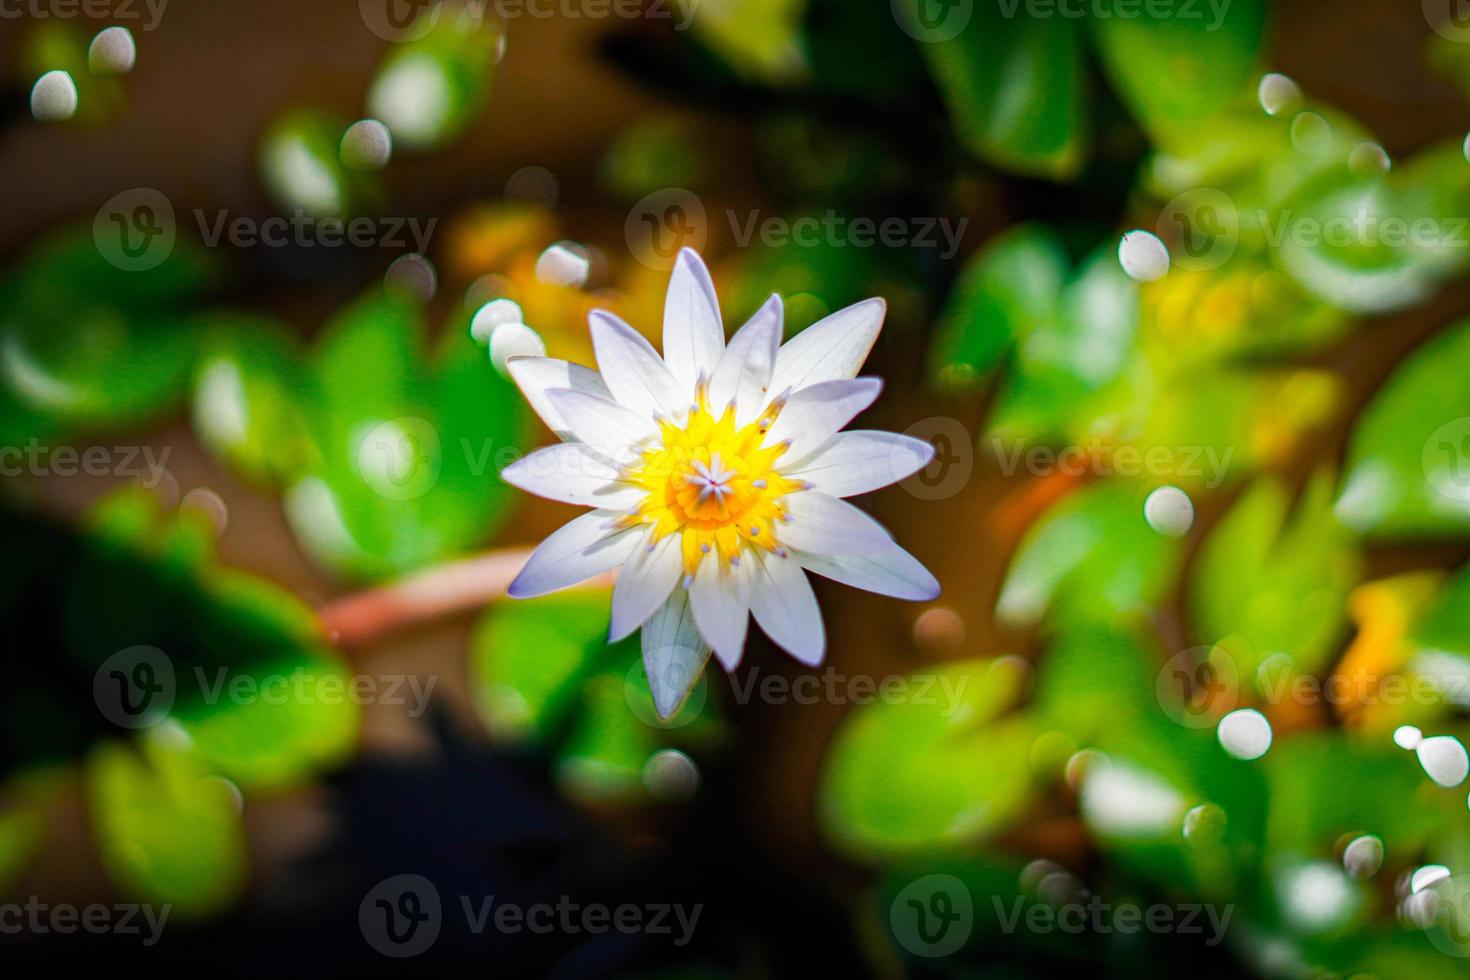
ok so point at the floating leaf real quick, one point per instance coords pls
(1408, 460)
(1014, 87)
(1006, 292)
(167, 833)
(1091, 558)
(941, 770)
(1178, 67)
(528, 656)
(248, 392)
(1269, 584)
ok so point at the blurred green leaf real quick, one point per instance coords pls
(1006, 292)
(1327, 785)
(296, 717)
(1267, 582)
(1092, 680)
(21, 832)
(1078, 373)
(430, 88)
(919, 772)
(1014, 87)
(604, 754)
(760, 39)
(1408, 459)
(527, 657)
(249, 390)
(167, 833)
(300, 165)
(86, 344)
(1092, 558)
(1176, 68)
(407, 455)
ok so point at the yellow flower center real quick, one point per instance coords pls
(713, 484)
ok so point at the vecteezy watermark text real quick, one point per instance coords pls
(114, 10)
(836, 230)
(41, 918)
(1092, 913)
(1213, 12)
(303, 230)
(37, 459)
(833, 687)
(1207, 463)
(403, 915)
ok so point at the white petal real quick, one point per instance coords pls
(602, 424)
(644, 583)
(693, 333)
(720, 598)
(673, 654)
(824, 525)
(813, 415)
(634, 372)
(573, 474)
(786, 608)
(576, 551)
(538, 375)
(834, 347)
(744, 371)
(863, 460)
(891, 571)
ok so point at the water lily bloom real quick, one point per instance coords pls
(716, 475)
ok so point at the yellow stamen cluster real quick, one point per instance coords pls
(714, 484)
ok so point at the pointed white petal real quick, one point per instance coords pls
(813, 415)
(720, 598)
(587, 546)
(834, 347)
(634, 372)
(573, 474)
(538, 375)
(891, 571)
(824, 525)
(603, 425)
(786, 608)
(644, 583)
(744, 371)
(673, 654)
(863, 460)
(693, 333)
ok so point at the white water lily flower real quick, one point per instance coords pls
(716, 474)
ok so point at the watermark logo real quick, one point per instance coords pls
(400, 459)
(1450, 19)
(135, 229)
(954, 458)
(1196, 686)
(932, 916)
(678, 673)
(1446, 460)
(401, 916)
(663, 222)
(150, 12)
(135, 688)
(400, 21)
(932, 21)
(1202, 228)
